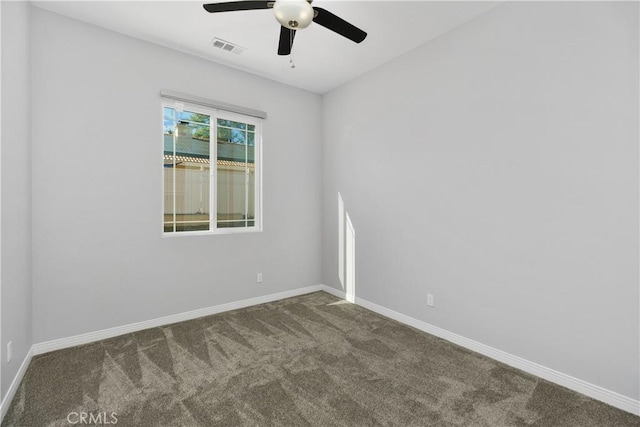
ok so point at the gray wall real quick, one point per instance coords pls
(99, 260)
(496, 167)
(16, 188)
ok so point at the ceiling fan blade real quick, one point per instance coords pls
(286, 40)
(338, 25)
(231, 6)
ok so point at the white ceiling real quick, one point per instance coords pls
(323, 59)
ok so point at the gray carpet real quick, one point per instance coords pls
(308, 360)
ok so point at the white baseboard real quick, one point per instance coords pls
(335, 292)
(13, 388)
(610, 397)
(45, 347)
(596, 392)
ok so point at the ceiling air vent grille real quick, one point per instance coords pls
(228, 46)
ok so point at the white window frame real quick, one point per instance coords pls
(214, 115)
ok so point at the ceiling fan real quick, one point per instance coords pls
(293, 15)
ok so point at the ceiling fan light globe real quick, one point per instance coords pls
(293, 14)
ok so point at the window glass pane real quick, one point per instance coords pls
(168, 165)
(187, 173)
(190, 116)
(231, 124)
(231, 192)
(224, 134)
(238, 136)
(251, 184)
(191, 193)
(168, 121)
(168, 192)
(235, 175)
(192, 226)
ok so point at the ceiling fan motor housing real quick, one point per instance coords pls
(293, 14)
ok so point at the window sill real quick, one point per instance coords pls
(221, 231)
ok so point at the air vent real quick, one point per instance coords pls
(228, 46)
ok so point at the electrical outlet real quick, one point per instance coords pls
(9, 351)
(430, 300)
(259, 277)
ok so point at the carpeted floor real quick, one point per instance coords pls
(308, 360)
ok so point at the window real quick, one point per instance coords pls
(210, 187)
